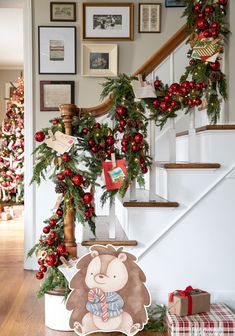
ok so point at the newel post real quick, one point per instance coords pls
(67, 112)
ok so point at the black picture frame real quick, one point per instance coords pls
(175, 3)
(44, 104)
(60, 17)
(150, 5)
(57, 55)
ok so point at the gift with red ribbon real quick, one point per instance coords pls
(188, 301)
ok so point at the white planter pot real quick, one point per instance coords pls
(56, 314)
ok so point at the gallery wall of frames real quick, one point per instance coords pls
(104, 25)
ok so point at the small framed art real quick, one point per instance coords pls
(175, 3)
(57, 50)
(63, 11)
(149, 18)
(108, 21)
(99, 60)
(55, 93)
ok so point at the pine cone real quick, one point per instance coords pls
(60, 187)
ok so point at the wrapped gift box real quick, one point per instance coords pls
(218, 322)
(189, 301)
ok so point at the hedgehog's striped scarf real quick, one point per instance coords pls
(105, 305)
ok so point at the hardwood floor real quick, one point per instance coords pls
(21, 313)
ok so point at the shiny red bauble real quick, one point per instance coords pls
(43, 269)
(40, 261)
(198, 101)
(135, 148)
(65, 157)
(190, 103)
(110, 140)
(46, 229)
(53, 235)
(59, 212)
(51, 260)
(156, 103)
(61, 249)
(174, 104)
(167, 98)
(91, 142)
(60, 176)
(77, 179)
(138, 137)
(68, 172)
(97, 125)
(144, 169)
(109, 151)
(87, 214)
(39, 136)
(208, 9)
(202, 24)
(52, 222)
(85, 131)
(214, 33)
(50, 241)
(39, 275)
(197, 8)
(121, 111)
(157, 83)
(124, 149)
(126, 137)
(192, 61)
(94, 149)
(87, 198)
(122, 123)
(215, 25)
(185, 84)
(121, 129)
(55, 122)
(206, 33)
(201, 16)
(124, 142)
(164, 106)
(91, 209)
(215, 65)
(222, 2)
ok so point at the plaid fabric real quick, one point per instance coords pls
(218, 322)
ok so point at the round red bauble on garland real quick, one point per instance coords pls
(68, 172)
(190, 103)
(206, 33)
(174, 104)
(87, 214)
(215, 65)
(50, 241)
(167, 98)
(192, 62)
(40, 261)
(65, 157)
(124, 142)
(39, 136)
(201, 16)
(61, 249)
(60, 176)
(214, 33)
(39, 275)
(51, 260)
(202, 24)
(77, 179)
(197, 8)
(110, 140)
(209, 9)
(52, 222)
(157, 83)
(138, 137)
(126, 137)
(222, 2)
(87, 198)
(135, 148)
(85, 131)
(164, 106)
(97, 125)
(55, 122)
(53, 235)
(121, 129)
(91, 209)
(46, 229)
(121, 110)
(198, 101)
(144, 169)
(94, 149)
(122, 122)
(59, 212)
(124, 149)
(156, 103)
(215, 25)
(109, 151)
(91, 142)
(43, 269)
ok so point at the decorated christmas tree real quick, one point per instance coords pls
(12, 147)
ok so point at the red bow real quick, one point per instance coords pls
(184, 293)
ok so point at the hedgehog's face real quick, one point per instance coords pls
(107, 272)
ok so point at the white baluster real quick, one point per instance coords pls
(133, 191)
(192, 137)
(112, 221)
(172, 141)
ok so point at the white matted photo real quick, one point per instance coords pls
(149, 17)
(57, 50)
(108, 21)
(99, 60)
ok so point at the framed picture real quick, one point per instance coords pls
(63, 11)
(99, 60)
(108, 21)
(57, 50)
(55, 93)
(149, 18)
(175, 3)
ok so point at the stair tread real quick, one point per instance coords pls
(208, 128)
(186, 165)
(102, 229)
(144, 201)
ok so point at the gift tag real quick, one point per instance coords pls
(116, 174)
(143, 89)
(60, 142)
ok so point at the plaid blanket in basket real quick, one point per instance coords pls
(220, 321)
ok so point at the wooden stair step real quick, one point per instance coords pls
(209, 128)
(102, 229)
(185, 165)
(145, 201)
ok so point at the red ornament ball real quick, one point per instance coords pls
(215, 65)
(209, 9)
(135, 148)
(215, 25)
(126, 137)
(61, 249)
(197, 8)
(97, 125)
(50, 241)
(110, 140)
(68, 172)
(192, 61)
(164, 106)
(190, 102)
(77, 179)
(222, 2)
(124, 149)
(52, 222)
(206, 33)
(60, 176)
(87, 214)
(121, 111)
(39, 136)
(94, 149)
(201, 16)
(144, 169)
(91, 142)
(39, 275)
(167, 98)
(59, 212)
(55, 122)
(138, 137)
(202, 24)
(43, 269)
(92, 210)
(109, 151)
(40, 261)
(87, 198)
(198, 101)
(53, 235)
(157, 83)
(122, 123)
(121, 129)
(85, 130)
(174, 104)
(156, 103)
(46, 229)
(51, 260)
(214, 33)
(65, 157)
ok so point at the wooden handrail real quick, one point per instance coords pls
(156, 59)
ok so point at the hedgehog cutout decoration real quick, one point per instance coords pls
(108, 293)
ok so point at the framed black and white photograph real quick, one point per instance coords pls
(149, 18)
(55, 93)
(57, 50)
(175, 3)
(108, 21)
(63, 11)
(99, 60)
